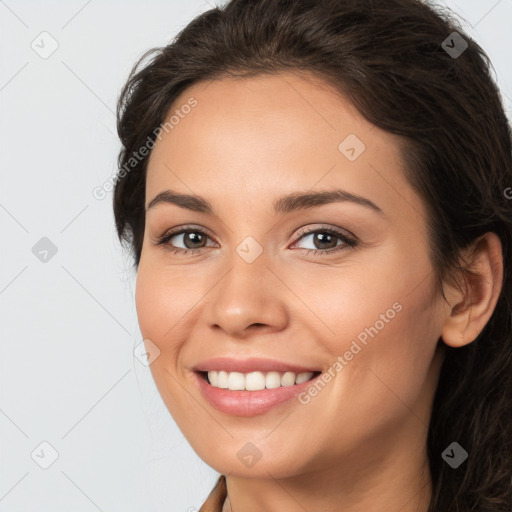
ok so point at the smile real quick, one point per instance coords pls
(284, 389)
(256, 380)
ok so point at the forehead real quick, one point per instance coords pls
(274, 134)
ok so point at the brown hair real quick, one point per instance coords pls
(388, 57)
(216, 498)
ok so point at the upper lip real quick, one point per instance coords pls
(252, 364)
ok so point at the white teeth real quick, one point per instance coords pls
(236, 381)
(303, 377)
(273, 380)
(255, 381)
(222, 380)
(288, 379)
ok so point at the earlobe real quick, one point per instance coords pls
(469, 310)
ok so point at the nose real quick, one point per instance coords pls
(249, 297)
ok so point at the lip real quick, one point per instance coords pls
(249, 403)
(252, 364)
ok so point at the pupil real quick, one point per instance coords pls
(193, 237)
(322, 237)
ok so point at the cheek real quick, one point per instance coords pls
(383, 323)
(361, 302)
(162, 301)
(391, 373)
(163, 298)
(148, 301)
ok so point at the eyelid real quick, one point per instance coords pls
(327, 227)
(183, 229)
(301, 232)
(347, 238)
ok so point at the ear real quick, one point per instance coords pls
(469, 310)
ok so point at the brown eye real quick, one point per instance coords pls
(324, 240)
(190, 239)
(193, 240)
(327, 240)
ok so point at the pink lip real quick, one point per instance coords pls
(250, 365)
(248, 403)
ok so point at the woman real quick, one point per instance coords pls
(315, 194)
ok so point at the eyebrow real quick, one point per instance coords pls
(286, 204)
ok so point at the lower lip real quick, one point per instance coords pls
(249, 403)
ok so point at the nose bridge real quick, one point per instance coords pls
(246, 293)
(247, 279)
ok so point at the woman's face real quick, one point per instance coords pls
(363, 309)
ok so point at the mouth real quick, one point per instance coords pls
(256, 380)
(253, 393)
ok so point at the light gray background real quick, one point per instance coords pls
(68, 325)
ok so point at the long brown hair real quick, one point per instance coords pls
(400, 64)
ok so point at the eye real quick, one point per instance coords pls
(192, 239)
(326, 239)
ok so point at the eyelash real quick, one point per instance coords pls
(348, 241)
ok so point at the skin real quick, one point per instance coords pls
(359, 445)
